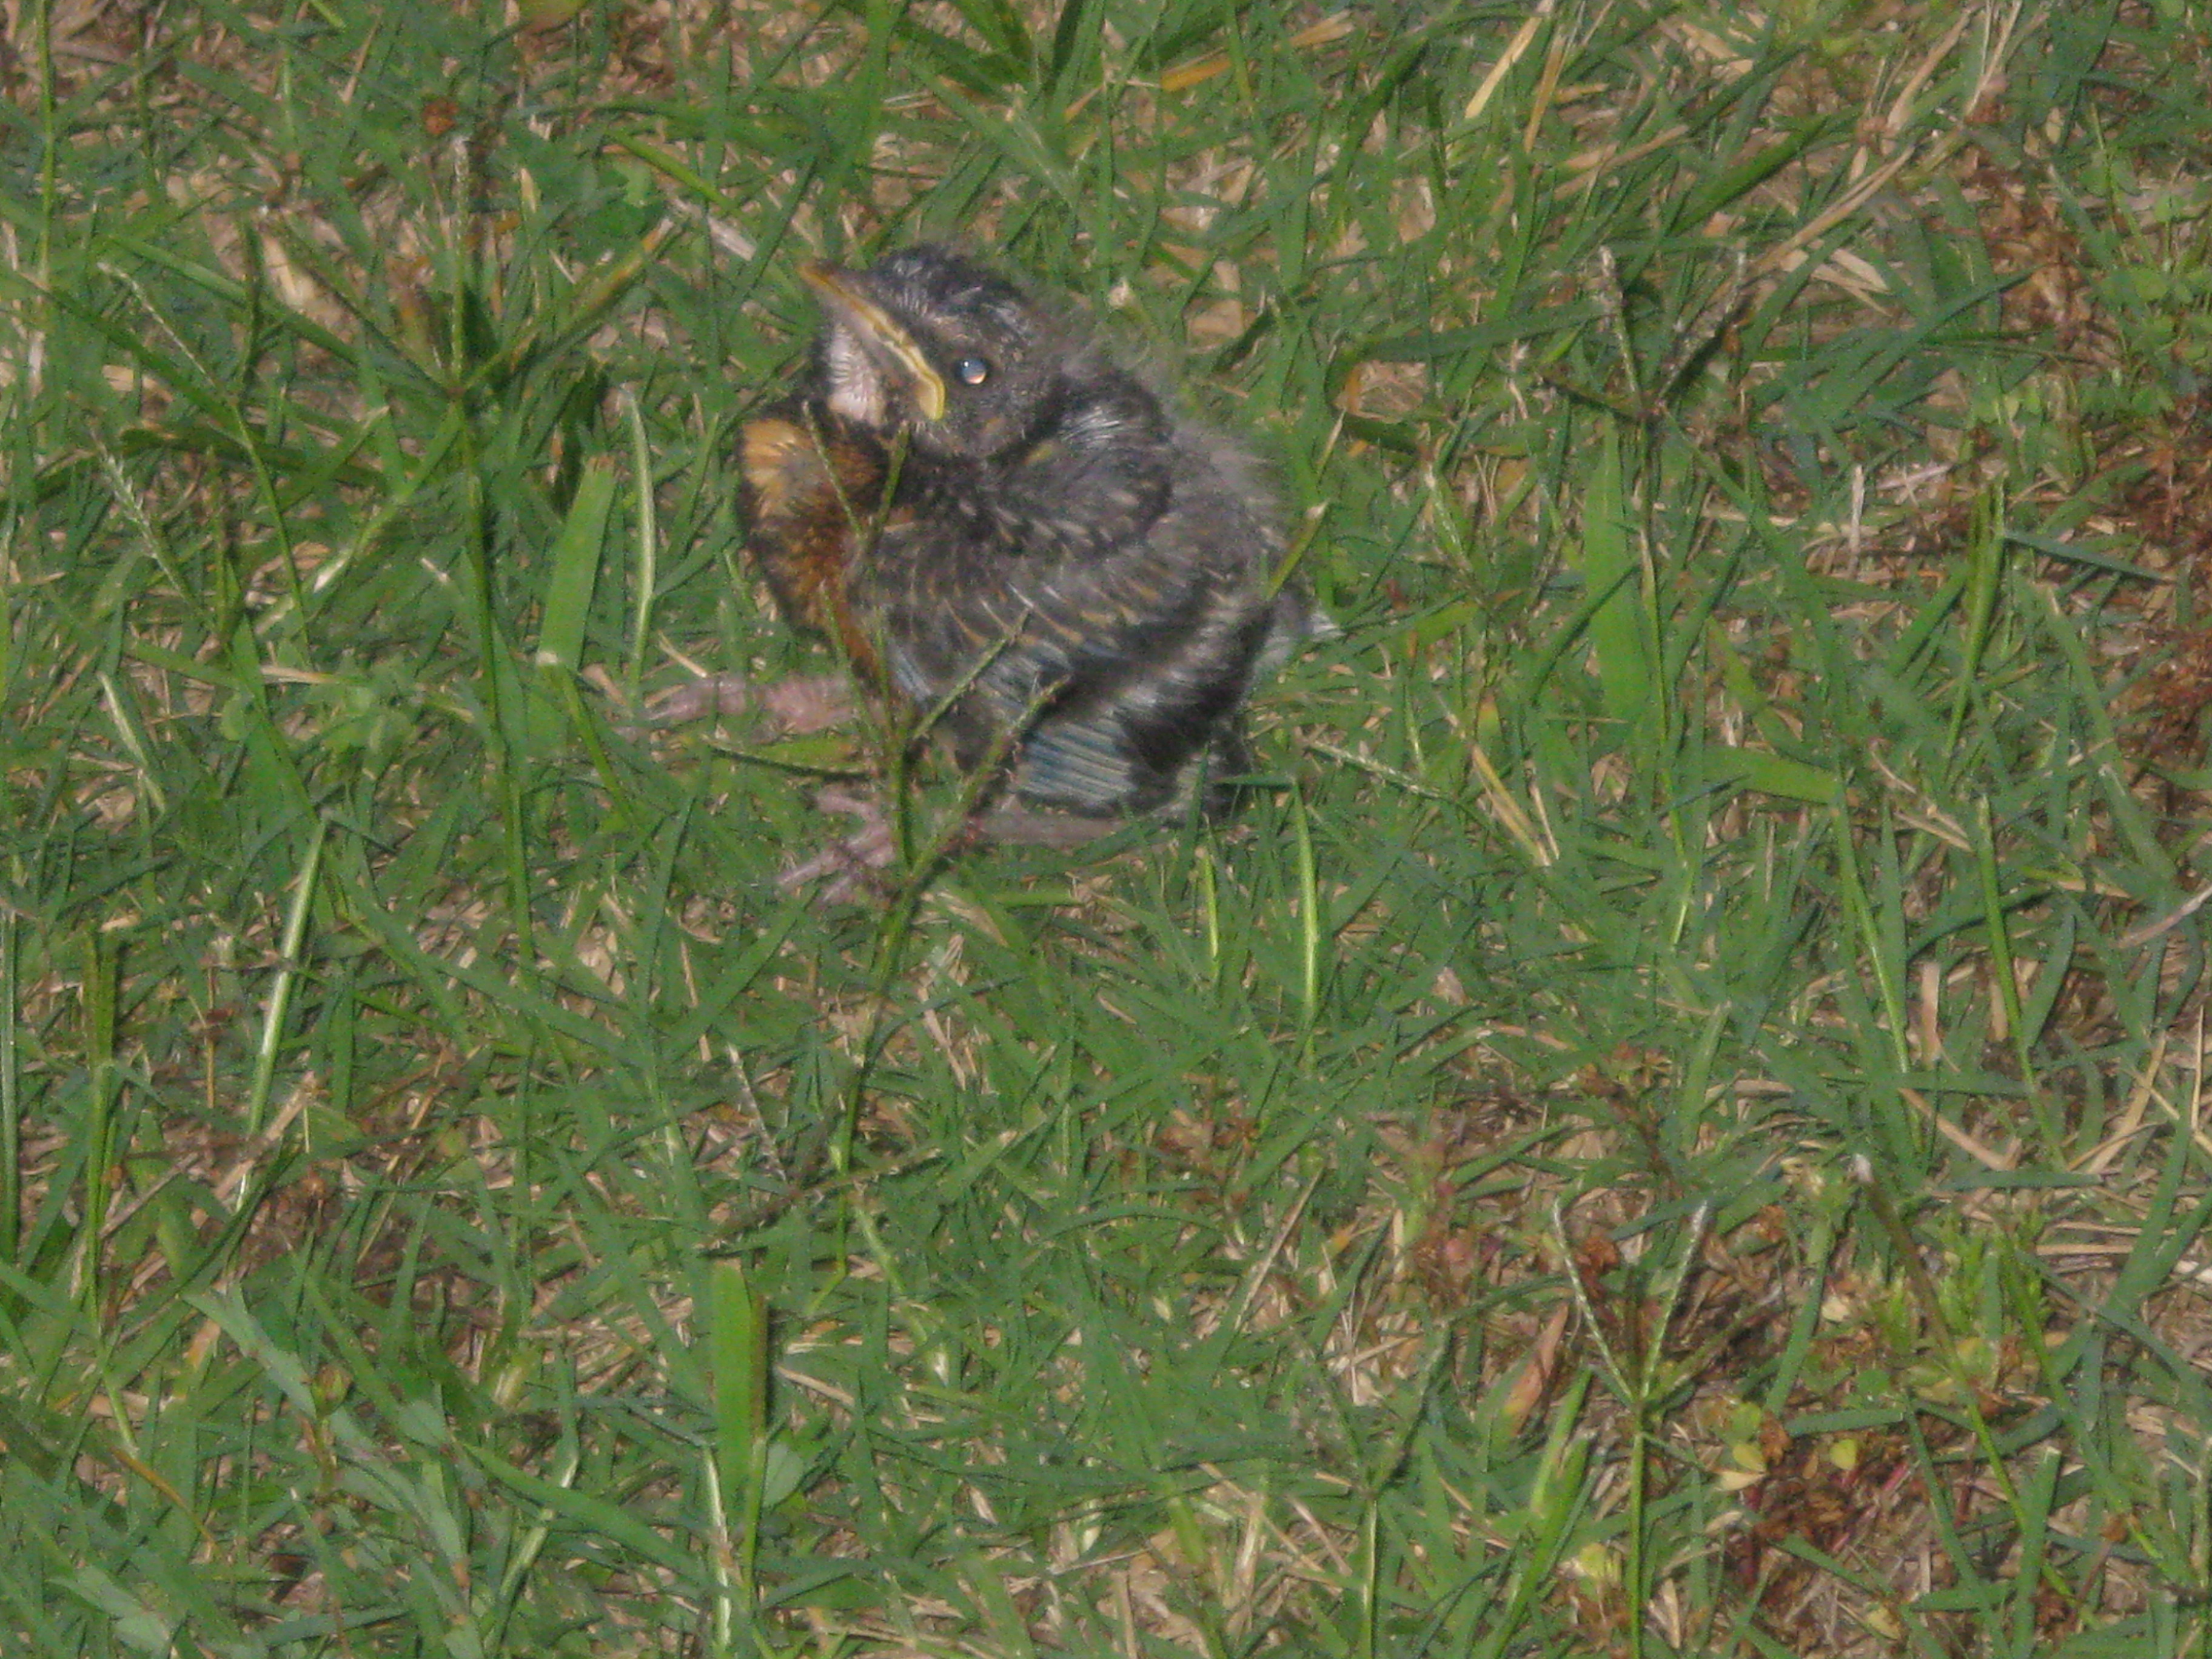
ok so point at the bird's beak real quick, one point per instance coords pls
(848, 303)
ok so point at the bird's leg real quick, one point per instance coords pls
(803, 704)
(850, 863)
(1018, 826)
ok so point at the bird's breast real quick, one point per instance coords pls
(814, 509)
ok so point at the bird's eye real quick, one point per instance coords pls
(972, 371)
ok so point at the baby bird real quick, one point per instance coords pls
(994, 519)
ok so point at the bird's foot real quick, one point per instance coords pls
(857, 861)
(852, 863)
(802, 704)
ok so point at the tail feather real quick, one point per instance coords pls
(1083, 766)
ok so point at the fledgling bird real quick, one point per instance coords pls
(988, 513)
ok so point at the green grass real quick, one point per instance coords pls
(1669, 1125)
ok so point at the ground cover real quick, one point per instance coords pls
(1670, 1122)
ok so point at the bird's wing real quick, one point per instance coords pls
(950, 607)
(1118, 665)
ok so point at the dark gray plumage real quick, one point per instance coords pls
(1093, 568)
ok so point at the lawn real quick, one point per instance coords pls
(1669, 1123)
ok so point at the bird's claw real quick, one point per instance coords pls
(853, 862)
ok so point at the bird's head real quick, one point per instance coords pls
(932, 342)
